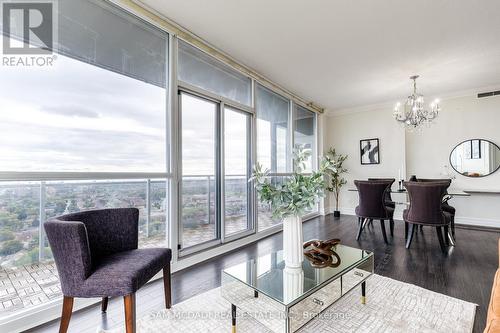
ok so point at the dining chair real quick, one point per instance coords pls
(96, 255)
(388, 199)
(426, 209)
(372, 205)
(446, 206)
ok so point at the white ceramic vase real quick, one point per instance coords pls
(292, 242)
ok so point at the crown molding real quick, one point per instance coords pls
(390, 104)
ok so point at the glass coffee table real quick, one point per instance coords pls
(284, 299)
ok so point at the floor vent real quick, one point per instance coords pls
(488, 94)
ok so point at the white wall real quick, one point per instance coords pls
(344, 133)
(424, 154)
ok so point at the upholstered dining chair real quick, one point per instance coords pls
(446, 206)
(388, 199)
(96, 255)
(426, 209)
(372, 204)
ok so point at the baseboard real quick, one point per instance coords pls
(478, 222)
(345, 211)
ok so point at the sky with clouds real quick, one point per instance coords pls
(78, 117)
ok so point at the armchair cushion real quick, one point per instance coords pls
(125, 272)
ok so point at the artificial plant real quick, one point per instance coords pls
(298, 192)
(334, 173)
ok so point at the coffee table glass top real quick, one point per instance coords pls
(268, 273)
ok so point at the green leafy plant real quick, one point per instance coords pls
(298, 193)
(336, 181)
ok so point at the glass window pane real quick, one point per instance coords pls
(86, 114)
(199, 69)
(19, 223)
(236, 165)
(155, 233)
(273, 143)
(304, 133)
(199, 119)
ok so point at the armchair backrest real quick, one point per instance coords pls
(372, 197)
(79, 240)
(426, 201)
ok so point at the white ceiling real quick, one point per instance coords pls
(345, 54)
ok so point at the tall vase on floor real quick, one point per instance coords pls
(293, 240)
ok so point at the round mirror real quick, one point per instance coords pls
(475, 158)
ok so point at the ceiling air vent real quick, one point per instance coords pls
(488, 94)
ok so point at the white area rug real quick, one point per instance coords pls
(392, 306)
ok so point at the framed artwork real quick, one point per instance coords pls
(369, 151)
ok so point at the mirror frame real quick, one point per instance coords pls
(461, 174)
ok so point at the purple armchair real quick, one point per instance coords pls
(372, 204)
(426, 209)
(96, 255)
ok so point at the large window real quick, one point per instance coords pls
(216, 155)
(101, 107)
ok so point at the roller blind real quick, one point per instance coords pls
(101, 34)
(201, 70)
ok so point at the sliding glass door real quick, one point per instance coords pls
(216, 164)
(237, 157)
(199, 200)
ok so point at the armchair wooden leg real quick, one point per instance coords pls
(66, 314)
(382, 226)
(129, 303)
(104, 304)
(167, 286)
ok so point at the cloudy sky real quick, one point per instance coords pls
(78, 117)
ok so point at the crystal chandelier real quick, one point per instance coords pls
(413, 113)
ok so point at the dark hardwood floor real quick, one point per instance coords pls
(466, 272)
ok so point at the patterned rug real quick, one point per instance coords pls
(392, 306)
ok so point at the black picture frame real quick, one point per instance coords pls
(369, 151)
